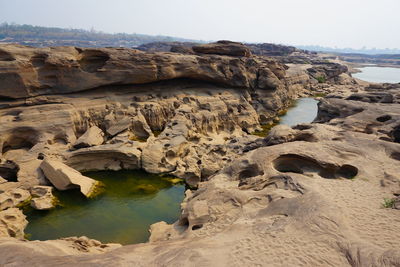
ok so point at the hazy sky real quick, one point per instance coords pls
(341, 23)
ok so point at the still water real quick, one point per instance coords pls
(379, 74)
(304, 111)
(132, 201)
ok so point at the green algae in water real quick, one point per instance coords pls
(132, 201)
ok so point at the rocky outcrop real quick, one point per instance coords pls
(227, 48)
(64, 177)
(326, 71)
(42, 198)
(106, 157)
(42, 71)
(177, 47)
(268, 49)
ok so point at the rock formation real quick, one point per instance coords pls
(64, 177)
(35, 71)
(42, 198)
(324, 193)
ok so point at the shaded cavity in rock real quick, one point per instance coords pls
(303, 165)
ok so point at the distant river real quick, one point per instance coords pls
(379, 74)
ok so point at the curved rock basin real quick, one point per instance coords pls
(379, 74)
(132, 201)
(304, 111)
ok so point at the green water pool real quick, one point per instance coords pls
(132, 201)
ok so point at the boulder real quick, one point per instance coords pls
(106, 157)
(280, 134)
(64, 177)
(198, 213)
(94, 136)
(12, 223)
(227, 48)
(160, 231)
(119, 126)
(42, 198)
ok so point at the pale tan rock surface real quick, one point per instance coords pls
(13, 198)
(64, 177)
(94, 136)
(12, 223)
(42, 198)
(38, 71)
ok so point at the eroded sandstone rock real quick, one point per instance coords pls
(12, 223)
(39, 71)
(13, 198)
(223, 48)
(64, 177)
(42, 198)
(94, 136)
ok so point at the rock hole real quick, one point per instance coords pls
(197, 226)
(92, 60)
(384, 118)
(39, 60)
(395, 155)
(11, 233)
(305, 165)
(249, 171)
(347, 171)
(395, 134)
(16, 195)
(183, 222)
(9, 170)
(21, 138)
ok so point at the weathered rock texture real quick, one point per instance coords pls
(310, 195)
(64, 177)
(12, 224)
(38, 71)
(94, 136)
(42, 198)
(118, 118)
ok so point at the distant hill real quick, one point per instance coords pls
(365, 51)
(49, 36)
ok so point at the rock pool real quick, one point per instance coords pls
(304, 111)
(132, 201)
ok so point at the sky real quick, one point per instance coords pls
(334, 23)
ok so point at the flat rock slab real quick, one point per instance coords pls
(94, 136)
(64, 177)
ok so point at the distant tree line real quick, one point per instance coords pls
(34, 34)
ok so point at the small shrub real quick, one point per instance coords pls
(388, 202)
(138, 139)
(266, 128)
(319, 95)
(321, 79)
(157, 133)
